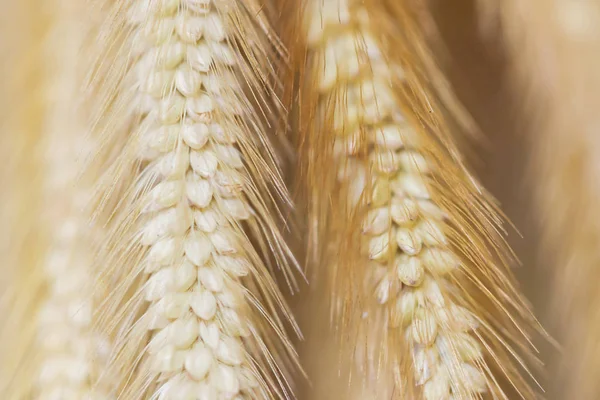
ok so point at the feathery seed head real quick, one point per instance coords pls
(399, 180)
(195, 231)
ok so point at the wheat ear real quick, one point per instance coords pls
(426, 291)
(194, 310)
(554, 50)
(23, 236)
(70, 354)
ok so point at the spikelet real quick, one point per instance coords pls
(554, 49)
(23, 29)
(418, 265)
(193, 309)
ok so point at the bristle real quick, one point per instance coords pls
(193, 309)
(413, 243)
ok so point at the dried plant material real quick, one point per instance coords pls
(555, 50)
(71, 356)
(50, 352)
(419, 276)
(193, 309)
